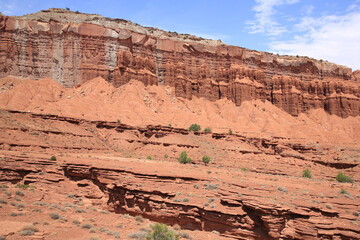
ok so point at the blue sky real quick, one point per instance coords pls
(322, 29)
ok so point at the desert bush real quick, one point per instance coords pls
(137, 235)
(54, 216)
(206, 159)
(166, 156)
(53, 158)
(22, 186)
(104, 212)
(184, 235)
(230, 132)
(282, 189)
(343, 191)
(183, 158)
(343, 178)
(3, 201)
(194, 127)
(19, 193)
(26, 233)
(94, 238)
(149, 157)
(87, 225)
(30, 227)
(76, 222)
(177, 227)
(161, 231)
(207, 130)
(306, 173)
(28, 230)
(21, 205)
(139, 219)
(116, 234)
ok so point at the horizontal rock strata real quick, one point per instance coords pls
(73, 48)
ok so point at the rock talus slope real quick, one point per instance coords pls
(73, 48)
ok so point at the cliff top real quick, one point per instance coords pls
(63, 15)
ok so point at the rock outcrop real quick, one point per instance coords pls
(73, 48)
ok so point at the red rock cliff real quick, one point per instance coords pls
(74, 47)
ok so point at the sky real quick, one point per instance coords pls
(321, 29)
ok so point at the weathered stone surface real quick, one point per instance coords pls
(73, 48)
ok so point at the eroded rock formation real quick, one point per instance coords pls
(74, 47)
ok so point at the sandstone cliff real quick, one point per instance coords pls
(75, 47)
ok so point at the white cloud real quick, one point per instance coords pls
(334, 38)
(264, 17)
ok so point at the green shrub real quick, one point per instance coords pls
(166, 156)
(343, 178)
(194, 127)
(230, 131)
(206, 159)
(161, 232)
(22, 186)
(118, 121)
(149, 157)
(207, 130)
(53, 158)
(183, 158)
(306, 173)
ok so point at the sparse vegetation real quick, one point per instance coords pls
(166, 156)
(230, 132)
(118, 121)
(138, 235)
(28, 230)
(22, 186)
(19, 193)
(343, 191)
(53, 158)
(343, 178)
(87, 226)
(207, 130)
(282, 189)
(161, 232)
(206, 159)
(54, 216)
(306, 173)
(94, 238)
(194, 127)
(149, 157)
(139, 219)
(184, 158)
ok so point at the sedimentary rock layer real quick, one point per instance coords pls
(73, 48)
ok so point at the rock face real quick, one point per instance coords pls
(73, 48)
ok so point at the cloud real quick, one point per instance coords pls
(264, 17)
(334, 37)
